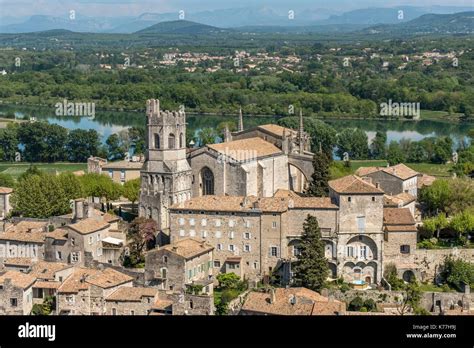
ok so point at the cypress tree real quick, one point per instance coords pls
(311, 269)
(319, 187)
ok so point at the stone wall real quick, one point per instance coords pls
(425, 263)
(24, 299)
(431, 301)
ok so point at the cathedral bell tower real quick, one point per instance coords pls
(166, 175)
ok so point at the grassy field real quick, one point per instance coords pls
(438, 115)
(16, 169)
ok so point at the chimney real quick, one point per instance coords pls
(377, 185)
(292, 299)
(83, 278)
(78, 212)
(272, 296)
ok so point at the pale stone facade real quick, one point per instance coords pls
(5, 206)
(166, 175)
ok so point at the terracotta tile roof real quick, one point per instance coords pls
(188, 247)
(397, 216)
(25, 226)
(277, 130)
(162, 304)
(18, 261)
(76, 281)
(134, 294)
(400, 171)
(31, 237)
(307, 302)
(83, 278)
(89, 225)
(58, 234)
(18, 279)
(400, 199)
(47, 270)
(272, 204)
(123, 165)
(353, 184)
(425, 180)
(108, 278)
(46, 284)
(5, 190)
(246, 149)
(306, 202)
(363, 171)
(110, 217)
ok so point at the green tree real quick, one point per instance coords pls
(457, 272)
(311, 268)
(131, 190)
(435, 224)
(6, 180)
(71, 185)
(9, 143)
(137, 139)
(377, 147)
(141, 236)
(228, 280)
(81, 144)
(395, 154)
(115, 147)
(318, 186)
(40, 197)
(207, 136)
(463, 224)
(354, 142)
(411, 298)
(436, 197)
(45, 308)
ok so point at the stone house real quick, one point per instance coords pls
(290, 301)
(93, 235)
(16, 293)
(131, 301)
(49, 277)
(358, 246)
(85, 290)
(181, 264)
(119, 171)
(401, 200)
(393, 180)
(5, 207)
(400, 235)
(25, 240)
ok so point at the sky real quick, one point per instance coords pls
(115, 8)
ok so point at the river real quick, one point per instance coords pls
(109, 122)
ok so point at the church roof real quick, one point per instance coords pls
(246, 149)
(306, 202)
(353, 184)
(276, 129)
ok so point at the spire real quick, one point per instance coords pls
(241, 121)
(301, 132)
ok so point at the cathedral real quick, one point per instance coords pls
(250, 162)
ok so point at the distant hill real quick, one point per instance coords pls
(457, 23)
(181, 27)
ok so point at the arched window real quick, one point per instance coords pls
(171, 141)
(207, 182)
(181, 140)
(157, 141)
